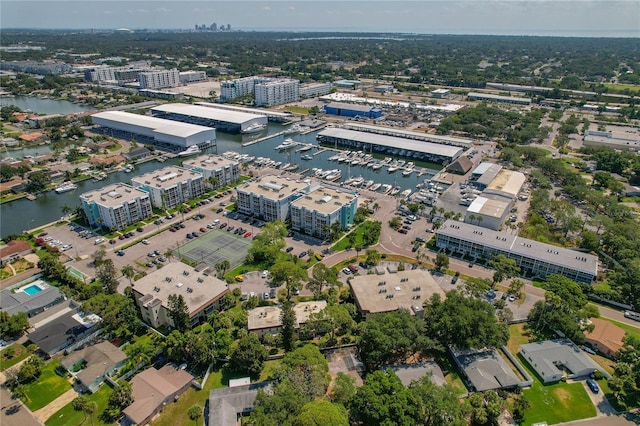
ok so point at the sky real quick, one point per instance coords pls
(581, 18)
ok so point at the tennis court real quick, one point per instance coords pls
(216, 246)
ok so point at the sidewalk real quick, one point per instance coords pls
(44, 413)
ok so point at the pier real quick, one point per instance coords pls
(264, 138)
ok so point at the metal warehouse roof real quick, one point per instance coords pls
(227, 116)
(351, 107)
(256, 111)
(394, 142)
(449, 140)
(551, 254)
(160, 125)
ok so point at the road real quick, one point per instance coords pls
(14, 412)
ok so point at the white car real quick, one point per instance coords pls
(145, 242)
(346, 271)
(265, 273)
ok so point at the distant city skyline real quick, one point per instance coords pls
(579, 18)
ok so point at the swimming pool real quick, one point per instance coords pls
(32, 289)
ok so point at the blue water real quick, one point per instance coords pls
(32, 289)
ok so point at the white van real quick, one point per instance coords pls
(215, 222)
(98, 241)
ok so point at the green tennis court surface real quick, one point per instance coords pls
(216, 246)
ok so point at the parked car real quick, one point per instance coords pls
(303, 254)
(223, 225)
(593, 386)
(219, 210)
(265, 273)
(289, 249)
(353, 268)
(239, 278)
(318, 256)
(420, 239)
(145, 242)
(121, 253)
(346, 271)
(247, 234)
(189, 236)
(181, 225)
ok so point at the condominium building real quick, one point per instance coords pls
(201, 292)
(277, 92)
(314, 212)
(159, 79)
(534, 258)
(239, 87)
(218, 171)
(116, 206)
(187, 77)
(268, 197)
(314, 89)
(170, 186)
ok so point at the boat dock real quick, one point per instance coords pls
(264, 138)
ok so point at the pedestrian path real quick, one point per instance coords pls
(44, 413)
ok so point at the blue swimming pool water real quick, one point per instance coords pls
(32, 289)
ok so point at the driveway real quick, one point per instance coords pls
(603, 407)
(14, 412)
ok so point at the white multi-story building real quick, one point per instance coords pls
(187, 77)
(170, 186)
(239, 87)
(116, 206)
(314, 212)
(223, 170)
(277, 92)
(268, 197)
(159, 79)
(314, 89)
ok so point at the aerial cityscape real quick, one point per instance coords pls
(319, 213)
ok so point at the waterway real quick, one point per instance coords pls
(22, 214)
(44, 106)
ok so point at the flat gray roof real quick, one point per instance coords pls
(272, 187)
(447, 140)
(197, 289)
(114, 195)
(489, 174)
(393, 142)
(247, 110)
(498, 97)
(482, 167)
(269, 316)
(151, 124)
(488, 206)
(521, 246)
(507, 181)
(226, 403)
(352, 107)
(216, 114)
(166, 177)
(411, 372)
(404, 289)
(324, 200)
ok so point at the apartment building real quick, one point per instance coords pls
(159, 79)
(218, 171)
(269, 197)
(314, 212)
(170, 186)
(116, 206)
(277, 92)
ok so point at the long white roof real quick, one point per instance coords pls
(394, 142)
(216, 114)
(152, 124)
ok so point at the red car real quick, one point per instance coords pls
(402, 230)
(203, 229)
(121, 237)
(247, 235)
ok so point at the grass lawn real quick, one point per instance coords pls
(344, 244)
(176, 413)
(517, 336)
(557, 403)
(68, 416)
(622, 86)
(48, 387)
(20, 353)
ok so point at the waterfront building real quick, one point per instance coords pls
(534, 258)
(314, 212)
(239, 87)
(275, 116)
(268, 198)
(159, 79)
(187, 77)
(314, 89)
(229, 121)
(165, 134)
(201, 292)
(217, 170)
(116, 206)
(170, 186)
(277, 92)
(352, 110)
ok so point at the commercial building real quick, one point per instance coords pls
(31, 298)
(229, 121)
(106, 74)
(187, 77)
(314, 89)
(165, 134)
(152, 390)
(552, 359)
(277, 92)
(389, 292)
(276, 116)
(380, 143)
(534, 258)
(268, 319)
(383, 88)
(461, 166)
(170, 186)
(347, 84)
(484, 174)
(506, 183)
(488, 213)
(407, 134)
(268, 198)
(352, 110)
(440, 93)
(626, 139)
(201, 293)
(314, 212)
(474, 96)
(217, 171)
(159, 79)
(116, 206)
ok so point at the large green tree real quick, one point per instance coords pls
(290, 274)
(322, 277)
(248, 355)
(289, 322)
(178, 311)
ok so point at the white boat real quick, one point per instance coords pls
(100, 176)
(334, 157)
(355, 162)
(304, 148)
(284, 166)
(386, 188)
(395, 191)
(254, 128)
(66, 187)
(405, 193)
(376, 166)
(128, 168)
(192, 150)
(334, 175)
(375, 186)
(407, 172)
(286, 144)
(367, 184)
(307, 157)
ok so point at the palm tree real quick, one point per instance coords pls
(66, 210)
(472, 217)
(480, 219)
(168, 254)
(222, 268)
(376, 207)
(90, 408)
(182, 208)
(80, 403)
(129, 272)
(214, 182)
